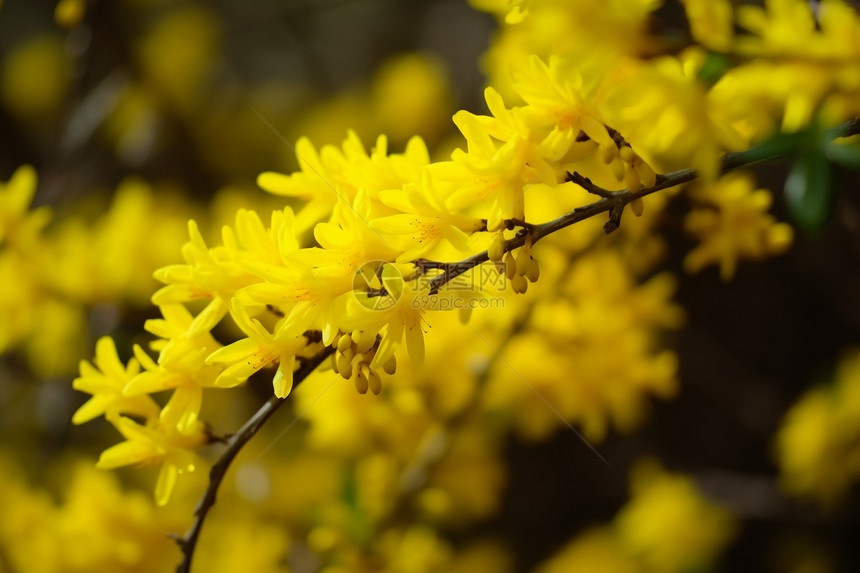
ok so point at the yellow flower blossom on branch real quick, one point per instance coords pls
(160, 444)
(106, 381)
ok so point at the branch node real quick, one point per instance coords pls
(614, 219)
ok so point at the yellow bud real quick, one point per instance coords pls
(631, 179)
(627, 154)
(357, 361)
(523, 258)
(334, 364)
(618, 168)
(375, 382)
(637, 206)
(496, 250)
(533, 272)
(646, 174)
(510, 265)
(364, 340)
(608, 152)
(361, 383)
(344, 367)
(519, 284)
(343, 343)
(390, 367)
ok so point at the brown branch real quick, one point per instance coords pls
(188, 542)
(615, 201)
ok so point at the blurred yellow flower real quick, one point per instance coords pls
(818, 442)
(731, 221)
(34, 79)
(669, 525)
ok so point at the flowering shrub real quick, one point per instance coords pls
(545, 224)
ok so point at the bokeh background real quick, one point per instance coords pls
(140, 114)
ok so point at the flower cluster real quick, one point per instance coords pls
(53, 272)
(818, 443)
(381, 221)
(666, 527)
(336, 294)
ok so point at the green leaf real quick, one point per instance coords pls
(808, 189)
(778, 145)
(713, 68)
(845, 155)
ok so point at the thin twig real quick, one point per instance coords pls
(615, 201)
(188, 542)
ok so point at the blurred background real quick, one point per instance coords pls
(140, 114)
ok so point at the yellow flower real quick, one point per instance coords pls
(711, 23)
(248, 355)
(411, 96)
(161, 444)
(597, 550)
(732, 223)
(208, 274)
(186, 377)
(813, 61)
(669, 525)
(818, 442)
(399, 315)
(598, 325)
(106, 380)
(664, 110)
(334, 176)
(425, 219)
(491, 172)
(20, 227)
(34, 79)
(318, 182)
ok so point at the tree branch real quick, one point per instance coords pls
(615, 201)
(188, 542)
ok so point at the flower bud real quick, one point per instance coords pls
(646, 174)
(627, 154)
(364, 340)
(523, 258)
(343, 343)
(375, 382)
(344, 367)
(533, 272)
(631, 179)
(510, 265)
(608, 153)
(519, 284)
(361, 383)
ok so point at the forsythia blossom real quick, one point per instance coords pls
(590, 105)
